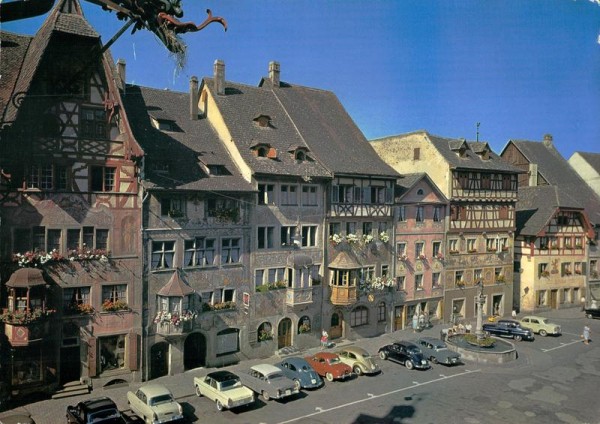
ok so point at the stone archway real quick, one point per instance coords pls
(159, 360)
(194, 351)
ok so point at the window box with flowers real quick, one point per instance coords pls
(352, 238)
(460, 283)
(500, 279)
(454, 252)
(367, 238)
(265, 335)
(37, 259)
(336, 239)
(25, 317)
(85, 254)
(567, 272)
(422, 257)
(577, 272)
(175, 319)
(226, 214)
(439, 256)
(578, 246)
(545, 274)
(304, 328)
(220, 306)
(114, 305)
(80, 308)
(403, 257)
(472, 251)
(384, 237)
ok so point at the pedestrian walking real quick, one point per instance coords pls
(421, 320)
(415, 322)
(324, 339)
(514, 314)
(583, 303)
(586, 334)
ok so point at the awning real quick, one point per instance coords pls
(299, 260)
(26, 277)
(344, 261)
(176, 287)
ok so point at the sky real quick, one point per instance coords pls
(520, 68)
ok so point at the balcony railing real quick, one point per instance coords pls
(298, 296)
(169, 329)
(343, 295)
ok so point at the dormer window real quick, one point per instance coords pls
(263, 121)
(263, 150)
(218, 170)
(300, 155)
(162, 121)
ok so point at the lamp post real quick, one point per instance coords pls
(480, 301)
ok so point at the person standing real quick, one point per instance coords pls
(586, 334)
(415, 322)
(583, 303)
(324, 339)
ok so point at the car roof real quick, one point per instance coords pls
(222, 375)
(534, 317)
(154, 389)
(406, 343)
(265, 368)
(98, 403)
(295, 360)
(354, 349)
(325, 355)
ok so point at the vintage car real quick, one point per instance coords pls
(268, 381)
(541, 325)
(100, 410)
(592, 313)
(154, 403)
(18, 418)
(301, 372)
(509, 328)
(406, 353)
(224, 388)
(329, 365)
(359, 360)
(437, 352)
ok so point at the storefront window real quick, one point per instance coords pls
(112, 353)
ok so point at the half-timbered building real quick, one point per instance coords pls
(482, 192)
(543, 165)
(69, 211)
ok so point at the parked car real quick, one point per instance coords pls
(329, 365)
(437, 351)
(359, 360)
(509, 328)
(101, 410)
(592, 312)
(224, 388)
(154, 403)
(541, 325)
(406, 353)
(301, 372)
(16, 419)
(268, 381)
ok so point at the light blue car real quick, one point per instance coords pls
(304, 376)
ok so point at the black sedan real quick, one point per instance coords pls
(406, 353)
(592, 313)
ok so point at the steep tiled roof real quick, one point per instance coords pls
(14, 48)
(471, 160)
(176, 287)
(538, 204)
(408, 181)
(66, 17)
(183, 150)
(556, 170)
(300, 117)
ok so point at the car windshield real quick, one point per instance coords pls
(304, 368)
(230, 384)
(103, 415)
(157, 400)
(544, 321)
(413, 349)
(334, 361)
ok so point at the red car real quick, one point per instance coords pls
(328, 365)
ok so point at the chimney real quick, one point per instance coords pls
(274, 73)
(219, 75)
(533, 175)
(121, 71)
(193, 98)
(548, 140)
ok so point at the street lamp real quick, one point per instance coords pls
(480, 301)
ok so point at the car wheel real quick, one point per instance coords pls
(358, 370)
(383, 355)
(266, 396)
(198, 392)
(297, 384)
(329, 376)
(543, 333)
(518, 338)
(590, 316)
(433, 360)
(408, 364)
(220, 406)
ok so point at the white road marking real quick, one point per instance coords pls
(562, 345)
(371, 396)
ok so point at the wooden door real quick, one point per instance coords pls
(284, 333)
(398, 319)
(554, 299)
(335, 330)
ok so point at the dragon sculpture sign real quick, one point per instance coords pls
(158, 16)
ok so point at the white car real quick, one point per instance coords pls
(154, 403)
(224, 388)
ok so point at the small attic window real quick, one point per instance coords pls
(420, 192)
(163, 124)
(264, 151)
(218, 170)
(263, 121)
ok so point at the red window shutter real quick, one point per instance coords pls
(272, 153)
(132, 349)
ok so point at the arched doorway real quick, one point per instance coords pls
(159, 360)
(194, 351)
(284, 333)
(335, 330)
